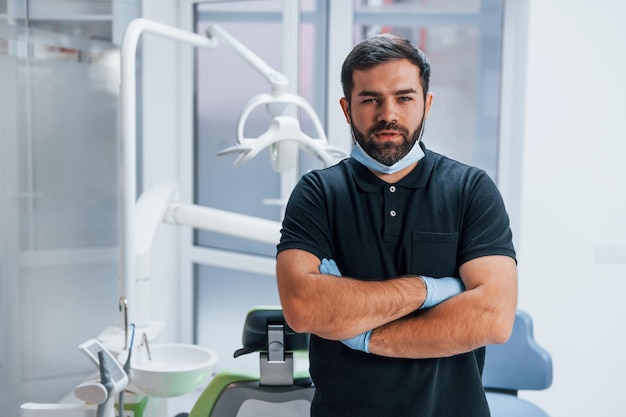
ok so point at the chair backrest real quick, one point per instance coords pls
(520, 363)
(257, 335)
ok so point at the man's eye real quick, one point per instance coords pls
(405, 99)
(370, 100)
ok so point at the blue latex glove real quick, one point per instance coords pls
(329, 267)
(440, 289)
(359, 342)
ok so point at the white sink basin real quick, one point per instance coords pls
(175, 369)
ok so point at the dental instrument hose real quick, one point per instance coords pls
(105, 379)
(126, 367)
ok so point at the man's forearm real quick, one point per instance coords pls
(340, 307)
(438, 290)
(438, 332)
(349, 306)
(482, 315)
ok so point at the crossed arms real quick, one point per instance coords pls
(339, 308)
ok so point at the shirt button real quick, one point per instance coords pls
(392, 213)
(392, 188)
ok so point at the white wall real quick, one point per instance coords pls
(573, 201)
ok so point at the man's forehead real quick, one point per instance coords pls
(394, 76)
(389, 70)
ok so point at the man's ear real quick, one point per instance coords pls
(345, 106)
(427, 102)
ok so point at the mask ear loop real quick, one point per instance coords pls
(419, 138)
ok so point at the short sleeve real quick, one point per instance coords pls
(486, 230)
(306, 224)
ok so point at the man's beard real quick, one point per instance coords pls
(387, 153)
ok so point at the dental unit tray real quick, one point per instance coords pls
(98, 395)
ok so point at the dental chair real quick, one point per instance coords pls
(275, 390)
(518, 364)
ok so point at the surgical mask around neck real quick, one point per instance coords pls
(415, 154)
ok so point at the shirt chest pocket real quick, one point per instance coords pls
(434, 254)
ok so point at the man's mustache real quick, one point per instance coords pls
(382, 126)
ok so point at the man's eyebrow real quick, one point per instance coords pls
(367, 93)
(406, 91)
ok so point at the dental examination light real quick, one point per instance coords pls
(283, 133)
(141, 218)
(284, 136)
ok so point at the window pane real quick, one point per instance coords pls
(225, 83)
(452, 52)
(463, 118)
(222, 299)
(312, 84)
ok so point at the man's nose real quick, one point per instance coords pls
(388, 112)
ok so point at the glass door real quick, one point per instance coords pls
(59, 72)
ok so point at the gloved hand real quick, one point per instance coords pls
(329, 267)
(440, 289)
(359, 342)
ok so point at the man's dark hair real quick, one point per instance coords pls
(380, 49)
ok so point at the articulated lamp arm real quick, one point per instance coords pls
(277, 79)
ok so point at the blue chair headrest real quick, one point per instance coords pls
(520, 363)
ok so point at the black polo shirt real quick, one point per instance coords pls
(438, 217)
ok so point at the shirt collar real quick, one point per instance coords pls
(417, 178)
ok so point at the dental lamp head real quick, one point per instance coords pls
(284, 136)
